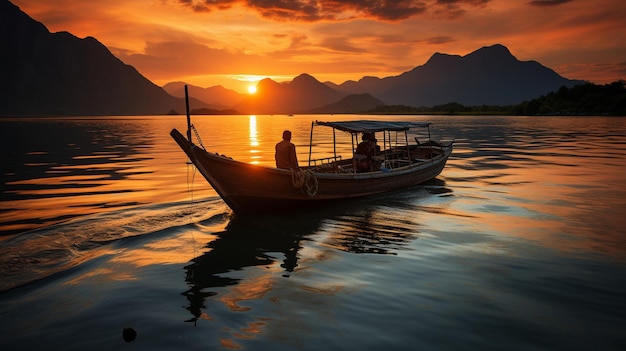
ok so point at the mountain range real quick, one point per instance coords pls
(217, 97)
(47, 73)
(488, 76)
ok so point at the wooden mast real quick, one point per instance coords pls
(188, 116)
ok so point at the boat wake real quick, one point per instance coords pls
(39, 253)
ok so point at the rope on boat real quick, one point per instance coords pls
(305, 180)
(195, 131)
(297, 178)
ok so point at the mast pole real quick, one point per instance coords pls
(188, 116)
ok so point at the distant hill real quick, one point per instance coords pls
(301, 94)
(47, 73)
(490, 76)
(587, 99)
(356, 103)
(215, 96)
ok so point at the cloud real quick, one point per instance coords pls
(549, 2)
(440, 40)
(337, 10)
(341, 44)
(166, 60)
(452, 9)
(208, 5)
(316, 10)
(599, 73)
(297, 41)
(463, 2)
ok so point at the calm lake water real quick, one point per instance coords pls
(520, 243)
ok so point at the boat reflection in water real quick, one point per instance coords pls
(275, 245)
(242, 244)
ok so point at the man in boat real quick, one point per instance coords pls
(286, 153)
(364, 153)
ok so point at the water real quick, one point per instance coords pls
(519, 244)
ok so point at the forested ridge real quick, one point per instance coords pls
(583, 99)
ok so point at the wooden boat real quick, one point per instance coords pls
(252, 188)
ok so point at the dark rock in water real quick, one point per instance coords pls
(129, 334)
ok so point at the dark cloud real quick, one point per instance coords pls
(456, 8)
(463, 2)
(316, 10)
(208, 5)
(333, 10)
(341, 44)
(549, 2)
(440, 40)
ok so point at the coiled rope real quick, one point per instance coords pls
(305, 180)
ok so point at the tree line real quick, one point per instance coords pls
(581, 100)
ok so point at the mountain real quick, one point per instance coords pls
(215, 96)
(488, 76)
(355, 103)
(303, 93)
(47, 73)
(364, 85)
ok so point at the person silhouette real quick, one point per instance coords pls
(286, 153)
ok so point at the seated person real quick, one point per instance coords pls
(286, 153)
(364, 153)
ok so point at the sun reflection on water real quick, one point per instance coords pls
(254, 140)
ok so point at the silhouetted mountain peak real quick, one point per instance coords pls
(216, 96)
(495, 53)
(304, 77)
(302, 93)
(266, 84)
(369, 79)
(489, 75)
(60, 74)
(496, 49)
(305, 81)
(440, 57)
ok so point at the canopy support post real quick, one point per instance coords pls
(311, 143)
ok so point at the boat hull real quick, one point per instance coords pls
(252, 188)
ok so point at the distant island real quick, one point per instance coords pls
(580, 100)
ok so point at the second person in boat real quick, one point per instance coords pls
(365, 153)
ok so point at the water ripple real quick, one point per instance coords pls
(42, 252)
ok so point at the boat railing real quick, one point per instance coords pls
(324, 161)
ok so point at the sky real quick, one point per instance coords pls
(235, 43)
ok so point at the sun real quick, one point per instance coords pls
(252, 89)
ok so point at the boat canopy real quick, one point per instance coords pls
(366, 126)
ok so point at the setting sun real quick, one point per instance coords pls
(251, 89)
